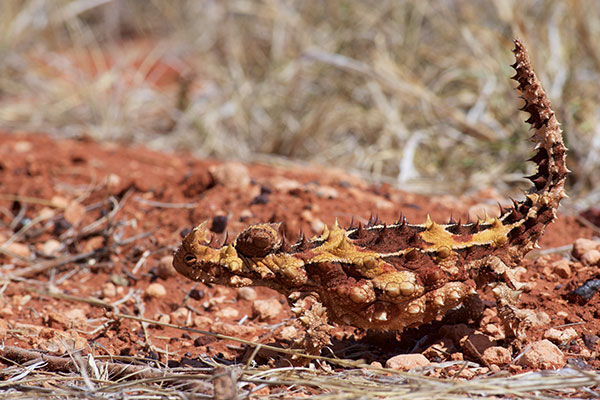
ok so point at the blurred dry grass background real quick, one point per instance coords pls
(411, 92)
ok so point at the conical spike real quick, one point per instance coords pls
(301, 236)
(351, 224)
(502, 210)
(226, 240)
(212, 242)
(305, 241)
(428, 222)
(360, 230)
(451, 220)
(285, 246)
(373, 220)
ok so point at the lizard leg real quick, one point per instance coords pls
(312, 321)
(506, 289)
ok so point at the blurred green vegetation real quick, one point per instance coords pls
(411, 92)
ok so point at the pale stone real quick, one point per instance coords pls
(561, 336)
(284, 185)
(163, 318)
(69, 319)
(326, 192)
(289, 333)
(228, 312)
(591, 257)
(6, 312)
(155, 290)
(113, 181)
(543, 354)
(536, 318)
(406, 362)
(94, 243)
(19, 249)
(496, 355)
(180, 316)
(266, 309)
(59, 201)
(246, 293)
(562, 268)
(231, 175)
(109, 290)
(165, 268)
(582, 245)
(202, 321)
(51, 247)
(74, 212)
(22, 146)
(46, 213)
(317, 225)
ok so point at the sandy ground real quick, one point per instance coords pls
(98, 224)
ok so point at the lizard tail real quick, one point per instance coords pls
(541, 202)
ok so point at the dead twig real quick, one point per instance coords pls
(49, 264)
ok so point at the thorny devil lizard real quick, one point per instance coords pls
(390, 277)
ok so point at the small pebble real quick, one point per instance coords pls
(406, 362)
(561, 336)
(109, 290)
(202, 321)
(219, 223)
(165, 268)
(196, 294)
(591, 257)
(582, 245)
(95, 243)
(266, 309)
(19, 249)
(180, 316)
(543, 354)
(246, 293)
(228, 312)
(74, 212)
(496, 355)
(51, 247)
(232, 175)
(562, 268)
(289, 333)
(155, 290)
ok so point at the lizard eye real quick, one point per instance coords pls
(189, 259)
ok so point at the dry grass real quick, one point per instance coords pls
(384, 88)
(46, 376)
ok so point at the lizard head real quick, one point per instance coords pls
(200, 258)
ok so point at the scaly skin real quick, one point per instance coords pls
(390, 277)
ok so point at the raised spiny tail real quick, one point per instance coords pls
(539, 207)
